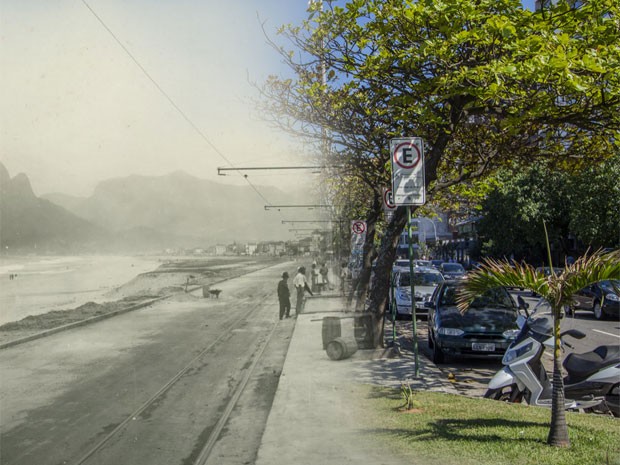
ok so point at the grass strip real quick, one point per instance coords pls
(449, 429)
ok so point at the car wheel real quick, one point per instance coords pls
(438, 355)
(570, 311)
(598, 312)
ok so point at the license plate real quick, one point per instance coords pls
(482, 347)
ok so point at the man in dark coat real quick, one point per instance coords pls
(284, 296)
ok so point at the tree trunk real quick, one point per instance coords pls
(381, 280)
(558, 433)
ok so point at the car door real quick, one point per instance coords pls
(584, 299)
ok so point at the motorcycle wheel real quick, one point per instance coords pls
(613, 401)
(505, 394)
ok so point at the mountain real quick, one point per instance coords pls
(31, 224)
(182, 205)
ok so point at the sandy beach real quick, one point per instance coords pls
(33, 285)
(172, 276)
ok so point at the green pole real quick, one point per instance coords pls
(413, 308)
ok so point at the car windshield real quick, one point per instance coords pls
(452, 267)
(547, 271)
(497, 297)
(401, 263)
(420, 279)
(613, 285)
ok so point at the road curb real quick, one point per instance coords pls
(76, 324)
(95, 319)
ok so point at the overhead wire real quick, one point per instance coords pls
(171, 101)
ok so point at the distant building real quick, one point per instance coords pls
(219, 249)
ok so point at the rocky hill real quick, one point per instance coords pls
(32, 224)
(181, 205)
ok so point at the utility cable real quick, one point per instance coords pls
(171, 101)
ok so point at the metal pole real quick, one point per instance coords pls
(413, 307)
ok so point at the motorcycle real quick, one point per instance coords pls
(593, 378)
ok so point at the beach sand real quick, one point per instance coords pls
(173, 278)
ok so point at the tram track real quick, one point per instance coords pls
(187, 414)
(205, 451)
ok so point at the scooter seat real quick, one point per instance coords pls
(580, 366)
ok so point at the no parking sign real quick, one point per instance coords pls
(408, 182)
(358, 234)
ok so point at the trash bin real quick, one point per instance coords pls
(331, 329)
(341, 348)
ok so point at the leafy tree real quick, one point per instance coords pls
(483, 83)
(595, 204)
(580, 203)
(558, 291)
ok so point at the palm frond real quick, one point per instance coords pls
(557, 289)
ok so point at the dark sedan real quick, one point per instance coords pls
(602, 299)
(486, 329)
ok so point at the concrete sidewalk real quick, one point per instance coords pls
(313, 419)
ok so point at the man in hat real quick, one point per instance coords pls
(301, 285)
(284, 296)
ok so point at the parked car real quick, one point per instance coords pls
(486, 329)
(452, 270)
(426, 263)
(424, 284)
(602, 299)
(547, 272)
(401, 263)
(436, 263)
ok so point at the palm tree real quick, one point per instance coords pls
(558, 290)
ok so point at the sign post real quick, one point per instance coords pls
(409, 188)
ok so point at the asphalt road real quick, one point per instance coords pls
(152, 386)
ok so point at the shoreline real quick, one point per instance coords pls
(175, 277)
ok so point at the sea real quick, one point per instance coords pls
(34, 285)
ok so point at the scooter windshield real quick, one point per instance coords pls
(540, 321)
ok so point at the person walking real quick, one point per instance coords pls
(344, 272)
(301, 285)
(284, 297)
(324, 271)
(314, 275)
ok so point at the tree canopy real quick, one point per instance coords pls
(484, 83)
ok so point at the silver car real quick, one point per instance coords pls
(425, 281)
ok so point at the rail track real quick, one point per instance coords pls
(194, 413)
(202, 457)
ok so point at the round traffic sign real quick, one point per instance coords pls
(358, 227)
(388, 199)
(407, 155)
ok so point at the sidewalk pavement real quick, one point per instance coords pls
(313, 419)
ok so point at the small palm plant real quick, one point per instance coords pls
(558, 290)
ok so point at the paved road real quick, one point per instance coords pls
(159, 378)
(471, 376)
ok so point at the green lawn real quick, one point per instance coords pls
(450, 429)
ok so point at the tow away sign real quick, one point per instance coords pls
(408, 183)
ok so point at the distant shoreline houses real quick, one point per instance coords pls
(306, 246)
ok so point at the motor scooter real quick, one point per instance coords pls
(592, 382)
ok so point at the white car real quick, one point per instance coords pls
(425, 281)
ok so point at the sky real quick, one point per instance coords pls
(77, 109)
